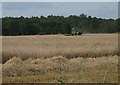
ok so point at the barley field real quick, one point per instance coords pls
(90, 58)
(46, 46)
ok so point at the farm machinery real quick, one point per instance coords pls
(75, 32)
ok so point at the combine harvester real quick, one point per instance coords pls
(74, 32)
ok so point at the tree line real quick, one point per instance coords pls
(57, 24)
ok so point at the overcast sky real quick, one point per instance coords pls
(94, 9)
(60, 0)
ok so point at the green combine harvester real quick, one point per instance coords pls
(75, 32)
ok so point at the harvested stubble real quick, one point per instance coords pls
(44, 46)
(47, 70)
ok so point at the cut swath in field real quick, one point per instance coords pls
(95, 70)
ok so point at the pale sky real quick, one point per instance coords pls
(28, 9)
(60, 0)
